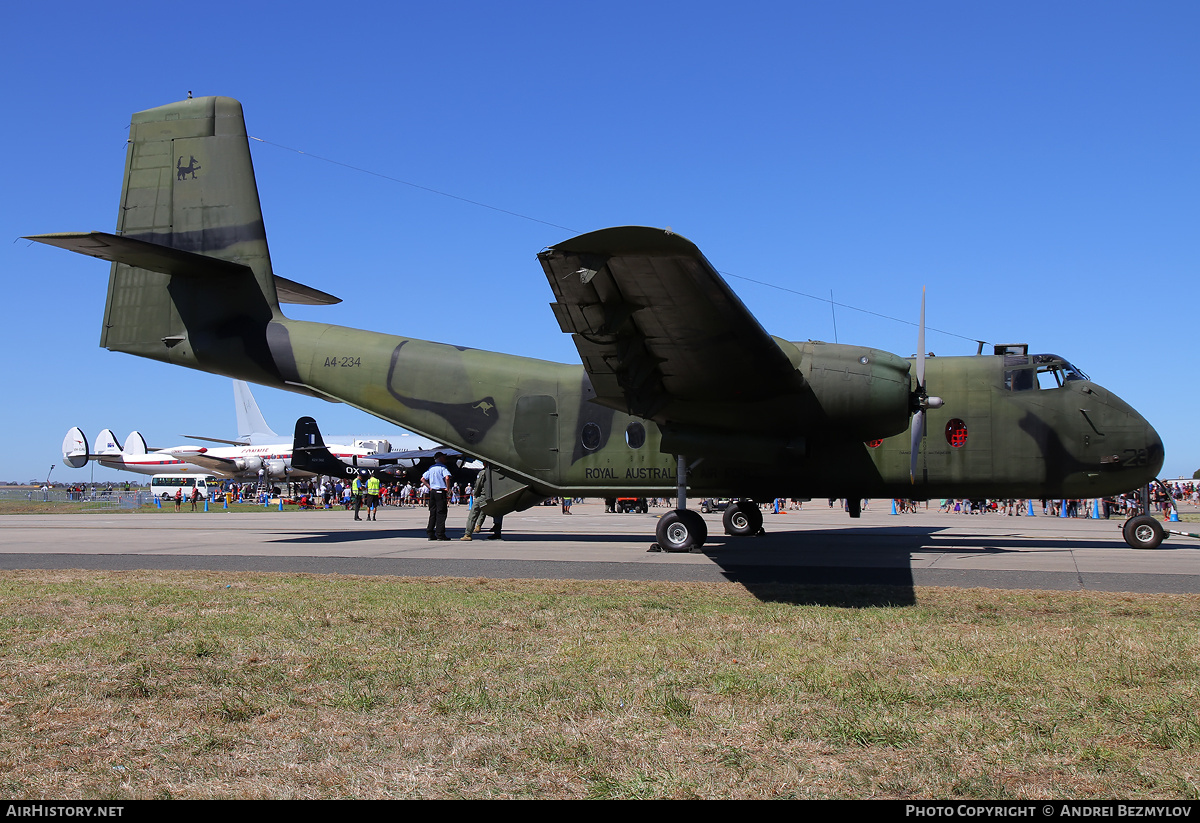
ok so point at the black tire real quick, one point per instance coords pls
(1143, 532)
(699, 525)
(680, 530)
(742, 518)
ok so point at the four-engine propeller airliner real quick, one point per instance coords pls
(256, 449)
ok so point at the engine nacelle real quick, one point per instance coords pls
(248, 464)
(277, 468)
(865, 393)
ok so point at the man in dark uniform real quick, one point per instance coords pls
(437, 481)
(482, 491)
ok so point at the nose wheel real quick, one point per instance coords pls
(1143, 532)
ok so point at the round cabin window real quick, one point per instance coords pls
(635, 435)
(591, 437)
(956, 433)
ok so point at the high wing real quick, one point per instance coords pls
(662, 336)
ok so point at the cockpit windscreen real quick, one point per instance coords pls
(1038, 371)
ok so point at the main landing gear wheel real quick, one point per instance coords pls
(742, 518)
(1143, 532)
(681, 530)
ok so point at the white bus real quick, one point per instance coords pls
(165, 485)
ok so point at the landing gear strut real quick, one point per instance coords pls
(680, 530)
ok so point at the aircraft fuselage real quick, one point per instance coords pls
(536, 419)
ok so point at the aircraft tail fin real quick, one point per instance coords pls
(75, 449)
(191, 280)
(189, 185)
(250, 421)
(135, 444)
(106, 443)
(310, 454)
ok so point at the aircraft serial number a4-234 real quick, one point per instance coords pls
(681, 390)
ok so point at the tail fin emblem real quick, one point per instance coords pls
(182, 171)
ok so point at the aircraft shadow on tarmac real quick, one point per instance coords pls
(846, 567)
(858, 567)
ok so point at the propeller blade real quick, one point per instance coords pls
(918, 432)
(921, 345)
(921, 397)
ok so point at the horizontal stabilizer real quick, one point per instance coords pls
(289, 291)
(166, 260)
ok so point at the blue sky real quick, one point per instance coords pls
(1034, 165)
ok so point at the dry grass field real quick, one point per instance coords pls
(213, 685)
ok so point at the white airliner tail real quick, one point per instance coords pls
(135, 444)
(75, 449)
(252, 427)
(106, 443)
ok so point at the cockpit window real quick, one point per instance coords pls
(1059, 369)
(1039, 371)
(1019, 379)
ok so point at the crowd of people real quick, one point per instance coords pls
(437, 491)
(331, 493)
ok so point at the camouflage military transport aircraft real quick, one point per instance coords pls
(681, 390)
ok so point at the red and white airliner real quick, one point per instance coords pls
(257, 449)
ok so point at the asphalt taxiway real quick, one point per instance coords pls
(814, 545)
